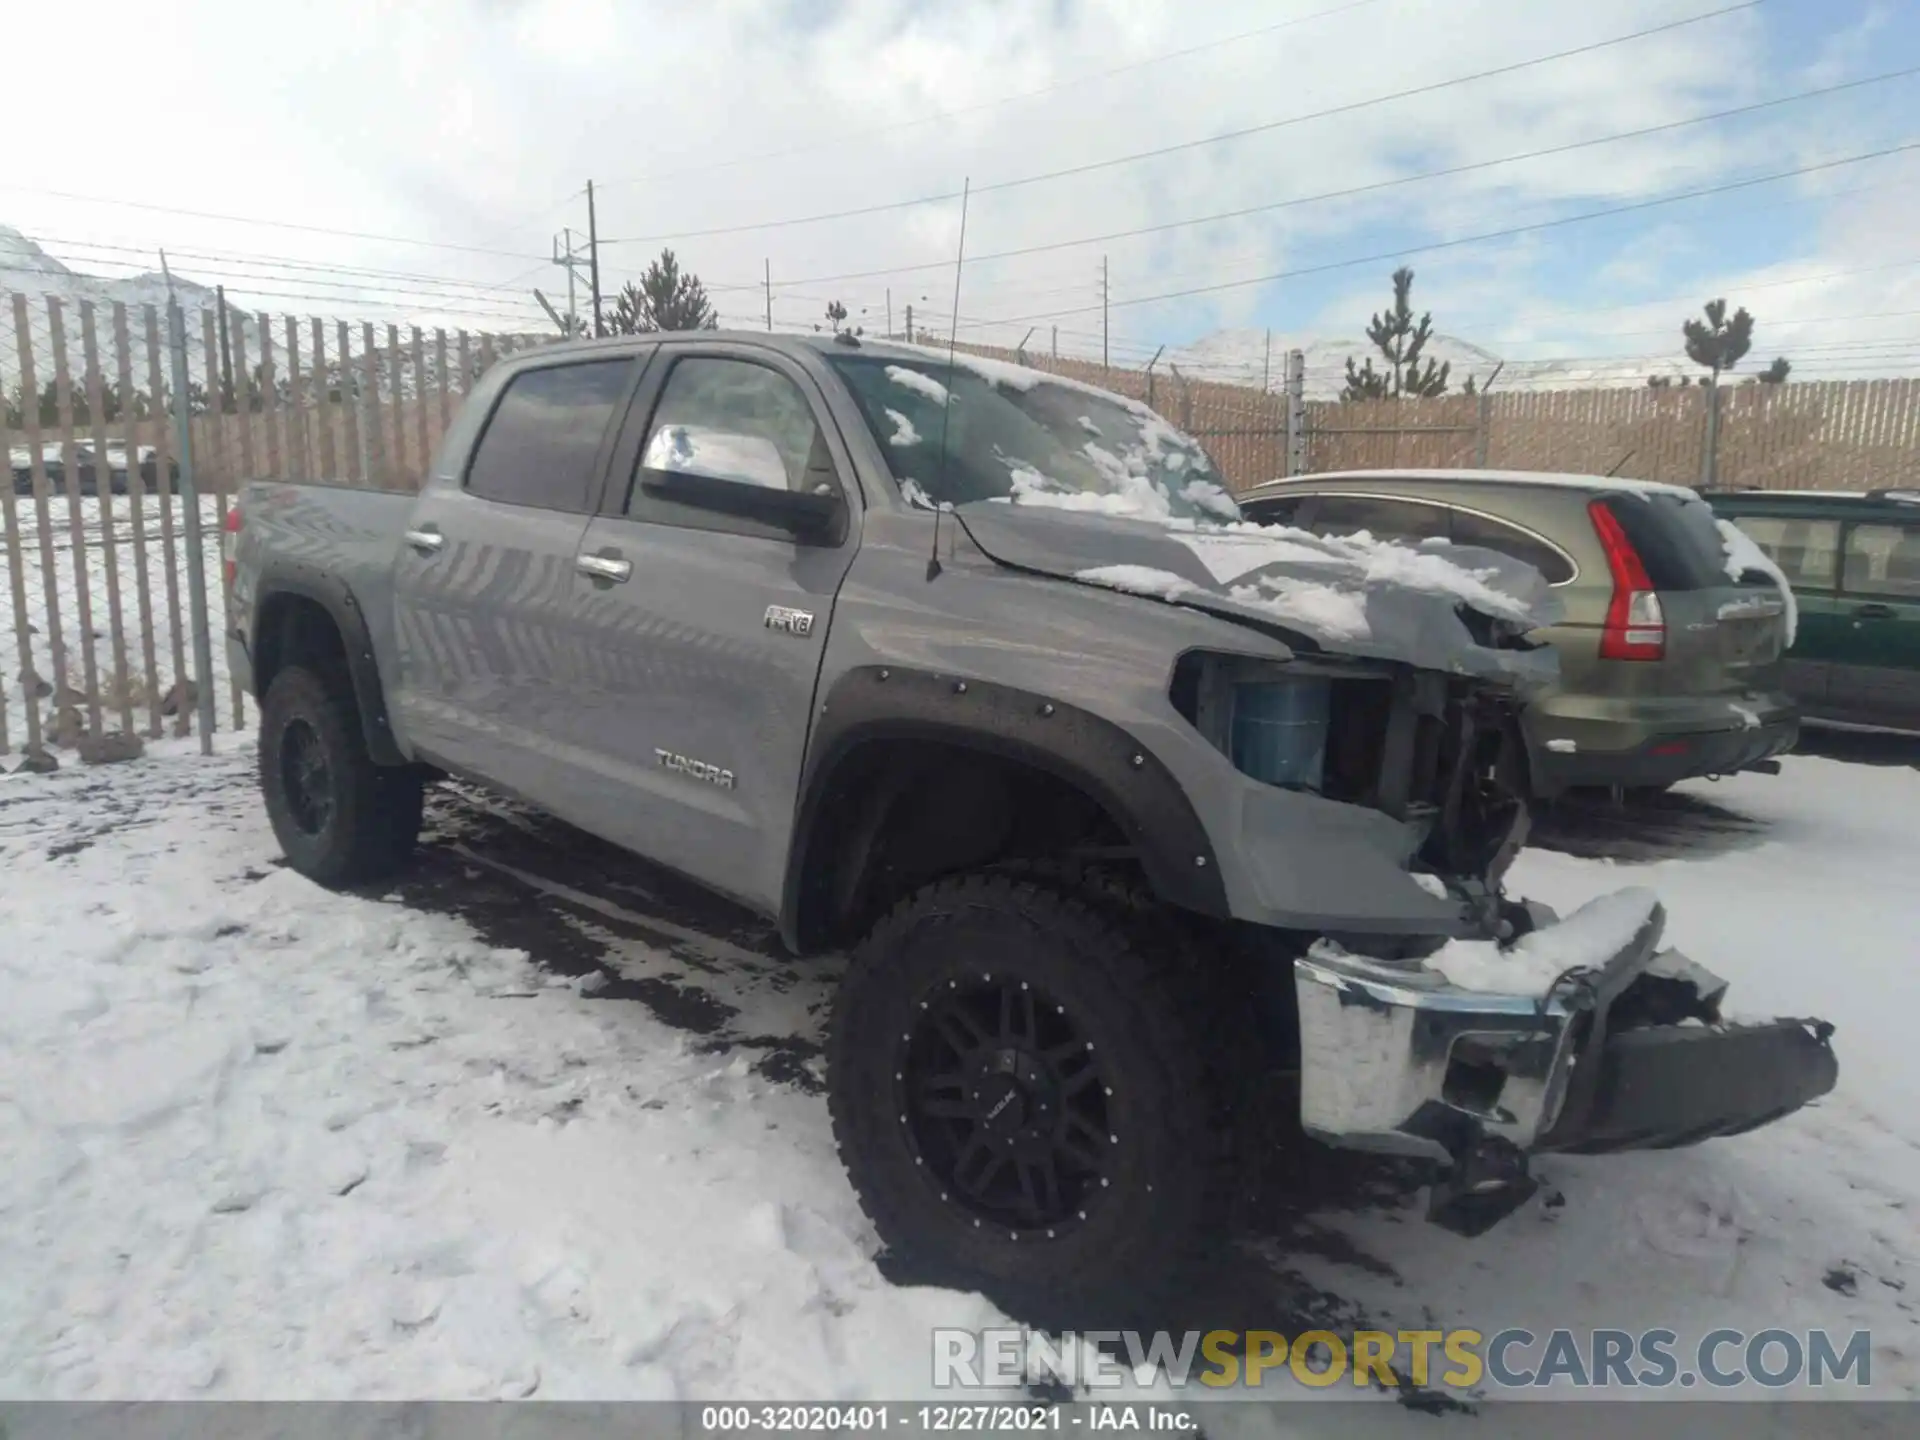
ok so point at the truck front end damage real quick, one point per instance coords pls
(1506, 1032)
(1630, 1052)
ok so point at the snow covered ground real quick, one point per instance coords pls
(541, 1121)
(137, 556)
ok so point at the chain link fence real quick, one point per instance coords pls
(128, 431)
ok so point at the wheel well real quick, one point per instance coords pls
(294, 630)
(896, 814)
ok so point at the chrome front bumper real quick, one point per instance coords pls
(1395, 1059)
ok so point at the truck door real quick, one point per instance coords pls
(485, 574)
(703, 626)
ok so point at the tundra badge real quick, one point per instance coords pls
(697, 769)
(794, 622)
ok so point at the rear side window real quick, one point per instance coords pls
(1677, 537)
(1508, 540)
(1884, 560)
(540, 443)
(1408, 521)
(1807, 551)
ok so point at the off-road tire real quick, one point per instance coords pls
(374, 819)
(1134, 993)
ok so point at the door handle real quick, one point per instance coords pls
(606, 568)
(427, 542)
(1874, 612)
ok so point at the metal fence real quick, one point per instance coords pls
(1827, 435)
(128, 429)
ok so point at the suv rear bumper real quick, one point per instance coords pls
(1655, 743)
(1396, 1060)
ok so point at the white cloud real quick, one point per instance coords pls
(467, 122)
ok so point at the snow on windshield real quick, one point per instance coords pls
(903, 431)
(1017, 436)
(918, 382)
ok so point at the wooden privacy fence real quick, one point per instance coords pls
(1826, 435)
(98, 592)
(99, 600)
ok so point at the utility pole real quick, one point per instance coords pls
(190, 494)
(1056, 342)
(909, 324)
(1105, 362)
(593, 260)
(889, 312)
(1266, 368)
(769, 264)
(226, 351)
(1296, 412)
(570, 259)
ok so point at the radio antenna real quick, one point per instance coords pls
(953, 342)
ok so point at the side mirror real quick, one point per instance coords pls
(734, 474)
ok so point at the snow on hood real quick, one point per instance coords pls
(1352, 594)
(1586, 939)
(1743, 555)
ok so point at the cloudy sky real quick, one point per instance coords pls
(728, 129)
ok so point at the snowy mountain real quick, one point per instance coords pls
(27, 269)
(1242, 357)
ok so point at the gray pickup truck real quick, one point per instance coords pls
(1115, 799)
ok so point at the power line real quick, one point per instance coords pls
(1464, 240)
(268, 224)
(229, 258)
(422, 300)
(1097, 165)
(936, 116)
(1375, 186)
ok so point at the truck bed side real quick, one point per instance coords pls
(333, 546)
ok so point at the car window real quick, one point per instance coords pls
(1807, 551)
(1884, 560)
(1504, 539)
(736, 420)
(1281, 511)
(1410, 521)
(541, 440)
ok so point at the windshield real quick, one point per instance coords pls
(1012, 435)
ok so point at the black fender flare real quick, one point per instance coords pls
(1097, 757)
(281, 578)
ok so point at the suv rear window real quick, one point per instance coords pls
(1677, 537)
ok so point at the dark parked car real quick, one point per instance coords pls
(1670, 667)
(1854, 560)
(87, 469)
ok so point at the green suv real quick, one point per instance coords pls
(1670, 652)
(1854, 561)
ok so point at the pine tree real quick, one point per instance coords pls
(666, 298)
(836, 315)
(1721, 341)
(1400, 340)
(1777, 372)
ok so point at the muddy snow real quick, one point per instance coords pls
(539, 1121)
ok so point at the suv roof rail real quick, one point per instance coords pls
(1899, 494)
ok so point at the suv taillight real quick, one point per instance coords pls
(230, 543)
(1636, 627)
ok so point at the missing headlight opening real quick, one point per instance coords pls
(1440, 754)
